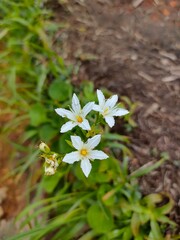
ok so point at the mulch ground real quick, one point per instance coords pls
(133, 49)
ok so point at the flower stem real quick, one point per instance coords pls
(97, 119)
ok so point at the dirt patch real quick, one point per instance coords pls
(134, 51)
(12, 198)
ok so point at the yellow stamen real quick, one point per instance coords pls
(83, 152)
(106, 111)
(79, 119)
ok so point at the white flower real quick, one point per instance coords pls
(76, 115)
(85, 153)
(51, 164)
(49, 170)
(108, 109)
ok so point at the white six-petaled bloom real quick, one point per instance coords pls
(85, 152)
(77, 116)
(108, 108)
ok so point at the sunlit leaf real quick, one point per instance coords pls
(156, 231)
(135, 224)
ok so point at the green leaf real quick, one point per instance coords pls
(147, 168)
(60, 90)
(127, 234)
(70, 231)
(3, 33)
(47, 132)
(125, 150)
(135, 224)
(156, 231)
(37, 114)
(41, 78)
(116, 233)
(63, 143)
(99, 221)
(49, 183)
(115, 136)
(12, 81)
(88, 90)
(29, 134)
(139, 237)
(144, 218)
(165, 209)
(107, 194)
(87, 236)
(125, 206)
(164, 219)
(69, 143)
(152, 199)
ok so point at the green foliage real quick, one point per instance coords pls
(110, 209)
(28, 61)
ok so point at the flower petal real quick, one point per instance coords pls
(111, 102)
(101, 97)
(120, 112)
(67, 126)
(93, 142)
(71, 157)
(76, 142)
(110, 121)
(76, 104)
(96, 154)
(87, 108)
(85, 125)
(64, 113)
(97, 108)
(86, 166)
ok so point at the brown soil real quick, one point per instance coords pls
(12, 198)
(133, 51)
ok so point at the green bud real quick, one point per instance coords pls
(44, 147)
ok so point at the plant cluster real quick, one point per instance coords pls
(77, 116)
(99, 203)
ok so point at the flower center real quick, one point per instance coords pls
(106, 110)
(83, 152)
(79, 119)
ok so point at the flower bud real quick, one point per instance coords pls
(44, 147)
